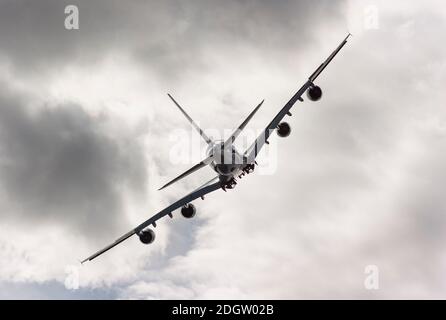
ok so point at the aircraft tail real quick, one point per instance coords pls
(233, 136)
(192, 122)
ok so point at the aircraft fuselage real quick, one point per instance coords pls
(228, 163)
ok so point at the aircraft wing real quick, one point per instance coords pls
(208, 187)
(252, 152)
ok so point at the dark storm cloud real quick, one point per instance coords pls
(165, 36)
(61, 164)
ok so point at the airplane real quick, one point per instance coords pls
(223, 158)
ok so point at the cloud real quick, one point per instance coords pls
(358, 182)
(168, 38)
(61, 165)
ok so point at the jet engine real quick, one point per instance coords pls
(283, 129)
(188, 211)
(314, 93)
(147, 236)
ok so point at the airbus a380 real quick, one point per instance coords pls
(223, 158)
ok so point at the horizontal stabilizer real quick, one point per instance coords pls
(196, 167)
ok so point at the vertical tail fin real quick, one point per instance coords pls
(192, 122)
(233, 136)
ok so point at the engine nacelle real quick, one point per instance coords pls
(147, 236)
(283, 129)
(188, 211)
(314, 93)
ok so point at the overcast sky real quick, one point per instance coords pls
(88, 135)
